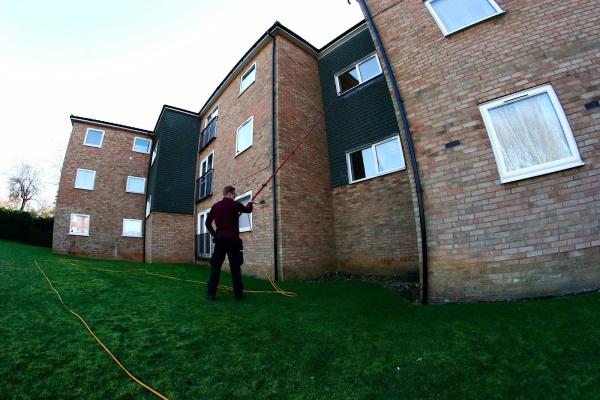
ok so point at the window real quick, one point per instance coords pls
(203, 238)
(154, 154)
(132, 227)
(243, 138)
(85, 179)
(530, 134)
(142, 145)
(93, 137)
(245, 218)
(135, 184)
(148, 205)
(80, 225)
(454, 15)
(248, 78)
(359, 73)
(213, 114)
(375, 160)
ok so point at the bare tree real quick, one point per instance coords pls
(24, 184)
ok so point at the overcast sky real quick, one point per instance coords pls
(120, 61)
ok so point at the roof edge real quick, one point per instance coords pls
(110, 124)
(176, 109)
(277, 28)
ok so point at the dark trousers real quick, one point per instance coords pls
(233, 248)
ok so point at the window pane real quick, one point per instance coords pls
(245, 218)
(389, 156)
(132, 227)
(80, 224)
(135, 185)
(244, 136)
(362, 164)
(85, 179)
(369, 68)
(348, 80)
(148, 205)
(456, 14)
(529, 132)
(248, 78)
(93, 137)
(141, 145)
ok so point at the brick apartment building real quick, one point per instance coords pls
(448, 141)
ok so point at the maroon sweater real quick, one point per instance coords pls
(226, 214)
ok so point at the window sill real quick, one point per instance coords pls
(245, 230)
(447, 34)
(131, 236)
(127, 191)
(237, 154)
(363, 85)
(547, 171)
(378, 175)
(81, 188)
(141, 152)
(92, 145)
(79, 234)
(244, 91)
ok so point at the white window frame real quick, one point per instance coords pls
(249, 214)
(71, 224)
(242, 78)
(441, 25)
(86, 136)
(148, 205)
(154, 151)
(205, 161)
(134, 220)
(355, 67)
(372, 146)
(212, 115)
(251, 119)
(534, 170)
(135, 177)
(200, 229)
(93, 180)
(141, 138)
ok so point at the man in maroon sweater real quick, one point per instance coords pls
(226, 214)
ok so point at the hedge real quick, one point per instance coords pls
(21, 226)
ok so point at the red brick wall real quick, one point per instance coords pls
(375, 227)
(488, 240)
(248, 170)
(306, 238)
(108, 203)
(169, 238)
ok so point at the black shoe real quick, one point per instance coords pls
(210, 297)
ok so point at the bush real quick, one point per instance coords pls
(21, 226)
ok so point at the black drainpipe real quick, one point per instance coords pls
(411, 149)
(274, 161)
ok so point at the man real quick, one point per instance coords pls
(227, 240)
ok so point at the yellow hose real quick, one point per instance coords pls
(133, 377)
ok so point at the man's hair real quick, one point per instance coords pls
(228, 189)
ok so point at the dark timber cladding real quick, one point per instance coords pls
(363, 115)
(171, 176)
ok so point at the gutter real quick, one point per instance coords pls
(411, 149)
(274, 155)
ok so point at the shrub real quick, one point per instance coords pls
(21, 226)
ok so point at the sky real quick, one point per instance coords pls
(121, 60)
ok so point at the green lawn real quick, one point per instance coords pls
(336, 340)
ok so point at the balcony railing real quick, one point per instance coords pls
(203, 242)
(204, 185)
(208, 134)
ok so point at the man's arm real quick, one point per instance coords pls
(208, 224)
(244, 208)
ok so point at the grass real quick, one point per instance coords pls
(336, 340)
